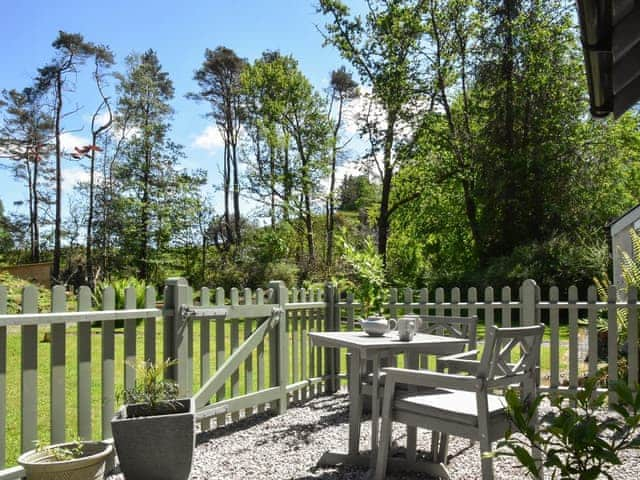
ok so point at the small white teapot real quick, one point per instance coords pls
(377, 326)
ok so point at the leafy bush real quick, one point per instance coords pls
(562, 261)
(285, 271)
(576, 443)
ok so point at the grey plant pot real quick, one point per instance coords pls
(158, 445)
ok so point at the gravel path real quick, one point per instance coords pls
(267, 446)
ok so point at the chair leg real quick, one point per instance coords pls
(384, 440)
(435, 442)
(487, 462)
(444, 448)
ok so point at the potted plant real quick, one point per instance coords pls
(154, 431)
(77, 460)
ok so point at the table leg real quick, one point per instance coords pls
(375, 405)
(412, 361)
(355, 403)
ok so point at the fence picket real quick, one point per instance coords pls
(455, 300)
(248, 363)
(350, 311)
(129, 340)
(260, 354)
(554, 349)
(3, 379)
(311, 297)
(472, 299)
(632, 337)
(505, 296)
(29, 375)
(304, 353)
(592, 313)
(108, 363)
(84, 367)
(612, 341)
(220, 353)
(57, 419)
(205, 349)
(150, 326)
(573, 336)
(439, 301)
(407, 308)
(393, 303)
(489, 319)
(294, 318)
(234, 343)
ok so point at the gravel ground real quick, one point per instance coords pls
(266, 446)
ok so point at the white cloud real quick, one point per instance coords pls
(69, 141)
(72, 177)
(209, 139)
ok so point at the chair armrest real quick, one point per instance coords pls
(459, 362)
(422, 378)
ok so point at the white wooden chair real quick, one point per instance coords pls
(463, 405)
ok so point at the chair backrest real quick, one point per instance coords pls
(496, 363)
(457, 327)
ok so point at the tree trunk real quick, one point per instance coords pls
(236, 193)
(387, 176)
(57, 249)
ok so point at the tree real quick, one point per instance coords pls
(342, 89)
(384, 47)
(72, 51)
(103, 59)
(292, 117)
(26, 133)
(219, 81)
(6, 241)
(152, 194)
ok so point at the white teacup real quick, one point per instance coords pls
(407, 327)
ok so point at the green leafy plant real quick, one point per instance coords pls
(576, 442)
(120, 286)
(364, 275)
(150, 387)
(61, 453)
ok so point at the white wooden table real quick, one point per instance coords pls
(362, 348)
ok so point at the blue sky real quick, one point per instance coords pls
(179, 31)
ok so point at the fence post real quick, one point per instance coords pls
(331, 360)
(529, 314)
(176, 293)
(280, 377)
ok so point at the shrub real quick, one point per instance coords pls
(576, 443)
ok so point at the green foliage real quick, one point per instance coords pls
(575, 443)
(364, 275)
(563, 260)
(15, 286)
(120, 286)
(150, 388)
(630, 263)
(62, 453)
